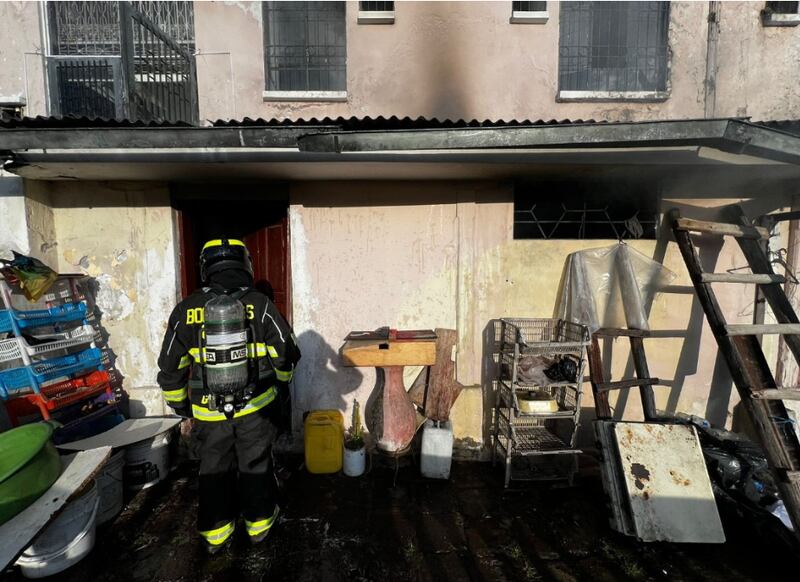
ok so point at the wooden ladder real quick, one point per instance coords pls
(740, 345)
(643, 380)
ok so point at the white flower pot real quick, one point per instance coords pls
(354, 461)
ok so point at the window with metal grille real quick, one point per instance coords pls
(783, 7)
(376, 6)
(93, 28)
(529, 6)
(781, 14)
(584, 211)
(615, 50)
(93, 72)
(305, 46)
(529, 12)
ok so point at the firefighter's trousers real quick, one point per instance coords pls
(236, 475)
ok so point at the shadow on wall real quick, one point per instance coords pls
(91, 289)
(322, 381)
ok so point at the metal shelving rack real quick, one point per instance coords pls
(537, 446)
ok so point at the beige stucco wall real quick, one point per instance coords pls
(122, 235)
(370, 254)
(21, 64)
(470, 62)
(758, 65)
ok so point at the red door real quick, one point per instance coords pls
(268, 243)
(269, 251)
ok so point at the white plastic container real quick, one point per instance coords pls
(109, 486)
(354, 462)
(437, 449)
(147, 462)
(67, 540)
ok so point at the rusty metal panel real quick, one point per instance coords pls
(657, 480)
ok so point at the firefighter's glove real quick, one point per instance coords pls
(183, 410)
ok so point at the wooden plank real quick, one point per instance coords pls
(442, 387)
(597, 378)
(643, 372)
(632, 383)
(777, 394)
(758, 279)
(378, 353)
(766, 329)
(721, 228)
(18, 532)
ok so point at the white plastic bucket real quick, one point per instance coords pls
(354, 462)
(147, 462)
(109, 486)
(65, 541)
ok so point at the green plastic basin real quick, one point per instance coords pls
(29, 465)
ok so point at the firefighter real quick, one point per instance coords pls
(234, 428)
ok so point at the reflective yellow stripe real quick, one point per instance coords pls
(218, 536)
(272, 351)
(255, 528)
(218, 242)
(185, 361)
(195, 353)
(284, 376)
(176, 395)
(257, 403)
(258, 349)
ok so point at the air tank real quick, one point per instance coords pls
(226, 344)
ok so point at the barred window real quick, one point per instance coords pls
(784, 7)
(781, 14)
(613, 47)
(376, 6)
(529, 6)
(585, 211)
(305, 46)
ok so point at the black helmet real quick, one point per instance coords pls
(221, 254)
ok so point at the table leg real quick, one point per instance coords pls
(399, 413)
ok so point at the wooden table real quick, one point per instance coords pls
(389, 351)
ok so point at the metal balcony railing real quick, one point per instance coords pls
(141, 73)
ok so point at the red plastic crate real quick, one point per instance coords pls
(58, 395)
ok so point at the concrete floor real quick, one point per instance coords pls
(467, 528)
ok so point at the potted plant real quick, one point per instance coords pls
(354, 449)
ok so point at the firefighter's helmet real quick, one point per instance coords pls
(224, 253)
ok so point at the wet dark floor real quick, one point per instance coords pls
(369, 528)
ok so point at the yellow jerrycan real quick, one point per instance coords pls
(324, 441)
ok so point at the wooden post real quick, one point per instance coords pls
(787, 372)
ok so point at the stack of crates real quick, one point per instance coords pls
(49, 361)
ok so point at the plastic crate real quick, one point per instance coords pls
(9, 319)
(34, 375)
(12, 348)
(57, 396)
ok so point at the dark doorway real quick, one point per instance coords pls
(261, 224)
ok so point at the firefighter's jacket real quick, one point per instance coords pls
(180, 360)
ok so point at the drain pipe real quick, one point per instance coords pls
(712, 45)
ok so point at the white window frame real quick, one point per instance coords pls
(769, 18)
(529, 16)
(645, 96)
(375, 16)
(304, 95)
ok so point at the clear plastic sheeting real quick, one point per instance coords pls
(610, 287)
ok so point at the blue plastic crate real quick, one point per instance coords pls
(32, 376)
(41, 317)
